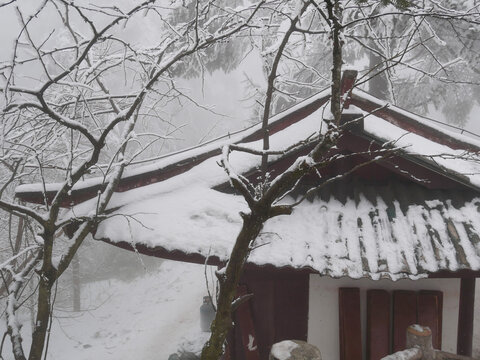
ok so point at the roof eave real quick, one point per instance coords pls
(423, 162)
(196, 258)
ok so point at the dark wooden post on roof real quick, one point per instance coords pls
(465, 316)
(348, 81)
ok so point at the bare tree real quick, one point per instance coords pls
(72, 99)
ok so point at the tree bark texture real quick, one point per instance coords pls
(43, 317)
(48, 275)
(334, 13)
(228, 282)
(76, 286)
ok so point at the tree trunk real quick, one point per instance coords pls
(336, 105)
(43, 317)
(76, 282)
(48, 275)
(228, 282)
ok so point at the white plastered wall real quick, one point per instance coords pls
(323, 327)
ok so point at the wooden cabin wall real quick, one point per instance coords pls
(279, 308)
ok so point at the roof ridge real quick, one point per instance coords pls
(414, 123)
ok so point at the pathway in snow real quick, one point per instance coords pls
(143, 319)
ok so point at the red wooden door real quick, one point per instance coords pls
(388, 316)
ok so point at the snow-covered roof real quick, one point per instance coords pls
(459, 164)
(395, 231)
(420, 125)
(390, 230)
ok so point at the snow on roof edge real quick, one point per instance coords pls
(425, 162)
(418, 118)
(197, 258)
(177, 156)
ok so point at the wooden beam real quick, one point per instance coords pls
(465, 316)
(446, 274)
(161, 252)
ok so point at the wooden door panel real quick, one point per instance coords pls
(378, 324)
(404, 315)
(430, 307)
(350, 326)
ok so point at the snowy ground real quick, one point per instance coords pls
(147, 318)
(144, 319)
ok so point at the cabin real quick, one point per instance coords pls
(393, 243)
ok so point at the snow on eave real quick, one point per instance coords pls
(462, 141)
(202, 259)
(180, 158)
(197, 258)
(428, 164)
(459, 166)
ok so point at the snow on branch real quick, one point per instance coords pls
(238, 182)
(72, 114)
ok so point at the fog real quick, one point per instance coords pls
(214, 104)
